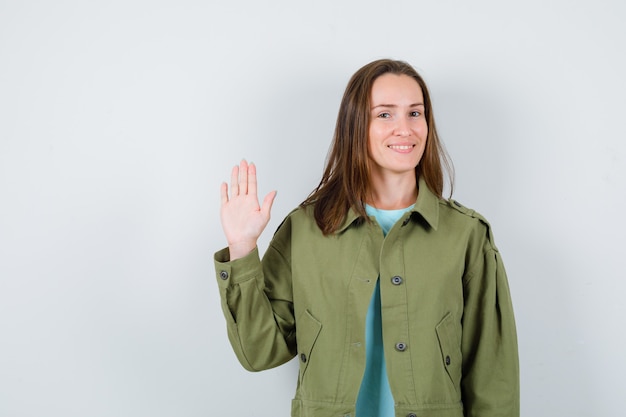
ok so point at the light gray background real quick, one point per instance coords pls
(119, 120)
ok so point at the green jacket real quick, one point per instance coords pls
(448, 326)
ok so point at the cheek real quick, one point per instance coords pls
(376, 134)
(422, 129)
(372, 139)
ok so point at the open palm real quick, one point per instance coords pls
(243, 220)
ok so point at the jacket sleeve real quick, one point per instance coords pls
(490, 382)
(257, 303)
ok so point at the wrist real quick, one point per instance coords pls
(240, 249)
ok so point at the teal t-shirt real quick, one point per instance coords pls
(375, 399)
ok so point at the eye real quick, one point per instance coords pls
(384, 115)
(415, 113)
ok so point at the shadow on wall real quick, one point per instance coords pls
(550, 330)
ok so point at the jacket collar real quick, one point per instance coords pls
(426, 205)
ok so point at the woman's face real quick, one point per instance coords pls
(398, 129)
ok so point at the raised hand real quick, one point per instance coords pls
(243, 220)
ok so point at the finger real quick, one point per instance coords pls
(224, 193)
(243, 177)
(252, 179)
(266, 208)
(234, 181)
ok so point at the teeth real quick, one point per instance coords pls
(401, 147)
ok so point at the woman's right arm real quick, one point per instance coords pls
(256, 297)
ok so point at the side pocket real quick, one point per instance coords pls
(296, 407)
(307, 331)
(450, 346)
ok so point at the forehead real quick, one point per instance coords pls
(396, 89)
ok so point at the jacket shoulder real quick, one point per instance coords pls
(472, 214)
(297, 217)
(452, 203)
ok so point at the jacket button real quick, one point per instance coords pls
(448, 360)
(223, 274)
(397, 280)
(303, 357)
(400, 347)
(411, 415)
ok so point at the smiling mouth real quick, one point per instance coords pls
(401, 147)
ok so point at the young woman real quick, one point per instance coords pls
(394, 300)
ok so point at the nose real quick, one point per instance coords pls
(402, 127)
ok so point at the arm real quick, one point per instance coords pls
(256, 303)
(258, 307)
(490, 381)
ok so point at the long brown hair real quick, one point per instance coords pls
(346, 180)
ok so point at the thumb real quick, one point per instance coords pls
(266, 207)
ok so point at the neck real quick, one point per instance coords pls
(393, 193)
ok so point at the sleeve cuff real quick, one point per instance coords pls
(229, 272)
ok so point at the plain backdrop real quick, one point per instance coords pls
(120, 119)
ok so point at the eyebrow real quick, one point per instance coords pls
(393, 106)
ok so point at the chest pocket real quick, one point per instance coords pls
(307, 331)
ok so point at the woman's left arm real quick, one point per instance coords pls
(490, 382)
